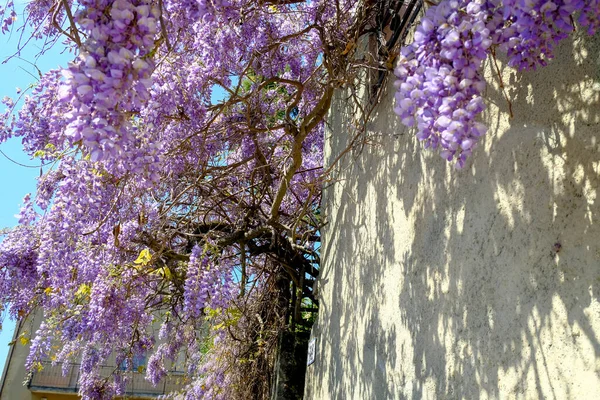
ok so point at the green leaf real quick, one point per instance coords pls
(84, 290)
(144, 258)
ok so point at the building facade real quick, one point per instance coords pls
(50, 383)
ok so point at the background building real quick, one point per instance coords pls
(50, 384)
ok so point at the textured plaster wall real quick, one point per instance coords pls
(444, 284)
(15, 375)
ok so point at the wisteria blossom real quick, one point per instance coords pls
(440, 81)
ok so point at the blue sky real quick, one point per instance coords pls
(15, 180)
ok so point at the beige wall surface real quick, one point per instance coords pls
(445, 284)
(15, 375)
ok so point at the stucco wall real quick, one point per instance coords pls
(445, 284)
(14, 377)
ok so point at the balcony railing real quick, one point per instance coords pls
(51, 379)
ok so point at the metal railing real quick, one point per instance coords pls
(51, 378)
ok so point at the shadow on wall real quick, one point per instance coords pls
(480, 283)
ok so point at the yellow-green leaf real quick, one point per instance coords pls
(84, 290)
(144, 257)
(219, 326)
(166, 272)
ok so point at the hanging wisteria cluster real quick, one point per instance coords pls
(178, 217)
(440, 81)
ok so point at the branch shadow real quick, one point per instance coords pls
(482, 283)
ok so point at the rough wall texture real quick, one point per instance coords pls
(14, 377)
(444, 284)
